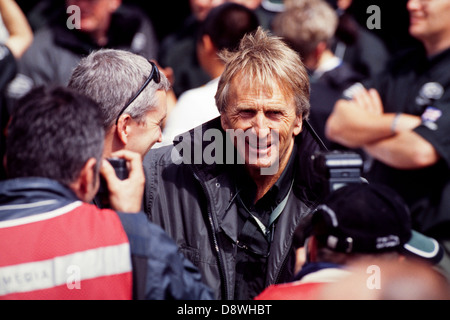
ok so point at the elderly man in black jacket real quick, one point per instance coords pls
(232, 191)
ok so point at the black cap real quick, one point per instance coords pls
(368, 218)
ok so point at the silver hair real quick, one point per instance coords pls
(111, 78)
(264, 61)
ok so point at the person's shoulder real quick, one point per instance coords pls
(137, 224)
(370, 41)
(407, 59)
(146, 237)
(159, 156)
(342, 77)
(43, 37)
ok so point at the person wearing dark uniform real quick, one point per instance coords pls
(405, 123)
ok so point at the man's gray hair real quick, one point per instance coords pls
(111, 78)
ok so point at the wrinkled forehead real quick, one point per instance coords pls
(257, 85)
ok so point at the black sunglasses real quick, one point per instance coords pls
(154, 75)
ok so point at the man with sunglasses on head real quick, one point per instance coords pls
(131, 93)
(132, 96)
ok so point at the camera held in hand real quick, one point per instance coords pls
(338, 168)
(121, 169)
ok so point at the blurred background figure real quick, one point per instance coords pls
(264, 9)
(17, 36)
(355, 44)
(59, 45)
(309, 27)
(178, 50)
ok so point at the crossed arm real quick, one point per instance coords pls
(20, 33)
(388, 137)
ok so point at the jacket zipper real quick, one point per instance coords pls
(215, 242)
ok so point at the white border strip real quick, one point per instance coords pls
(27, 205)
(422, 253)
(84, 265)
(40, 217)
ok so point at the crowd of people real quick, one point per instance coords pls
(216, 126)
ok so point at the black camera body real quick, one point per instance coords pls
(338, 168)
(120, 166)
(121, 169)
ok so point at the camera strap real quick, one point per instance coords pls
(268, 231)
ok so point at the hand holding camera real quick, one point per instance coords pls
(124, 175)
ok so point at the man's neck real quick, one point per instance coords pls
(433, 46)
(112, 143)
(100, 38)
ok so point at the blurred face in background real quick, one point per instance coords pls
(429, 21)
(201, 8)
(95, 14)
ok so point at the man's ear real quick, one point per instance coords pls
(298, 125)
(122, 128)
(87, 183)
(208, 44)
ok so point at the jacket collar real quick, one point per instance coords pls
(33, 191)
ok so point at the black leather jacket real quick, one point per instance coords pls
(195, 203)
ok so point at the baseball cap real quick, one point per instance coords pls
(370, 218)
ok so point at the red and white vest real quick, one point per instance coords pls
(75, 252)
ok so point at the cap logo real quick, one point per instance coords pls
(332, 242)
(387, 242)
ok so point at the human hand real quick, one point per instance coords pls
(369, 100)
(125, 195)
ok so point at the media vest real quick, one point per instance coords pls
(76, 251)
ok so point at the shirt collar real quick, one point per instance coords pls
(277, 192)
